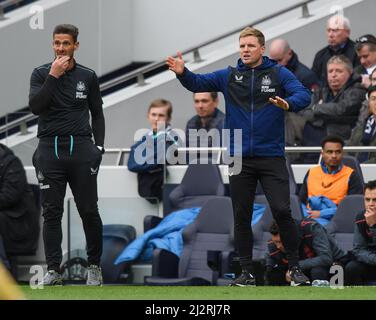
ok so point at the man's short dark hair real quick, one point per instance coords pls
(274, 229)
(334, 139)
(366, 40)
(67, 29)
(370, 185)
(214, 95)
(370, 90)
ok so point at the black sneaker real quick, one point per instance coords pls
(298, 278)
(244, 280)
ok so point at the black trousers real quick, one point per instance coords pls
(76, 161)
(274, 178)
(277, 276)
(358, 273)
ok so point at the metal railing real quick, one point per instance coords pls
(121, 151)
(140, 73)
(6, 4)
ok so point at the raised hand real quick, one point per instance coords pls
(370, 216)
(279, 102)
(59, 66)
(176, 64)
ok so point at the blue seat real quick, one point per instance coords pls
(115, 238)
(200, 183)
(210, 233)
(341, 227)
(353, 163)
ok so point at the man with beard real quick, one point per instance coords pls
(331, 179)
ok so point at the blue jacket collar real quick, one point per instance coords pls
(325, 168)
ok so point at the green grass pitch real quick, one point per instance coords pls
(108, 292)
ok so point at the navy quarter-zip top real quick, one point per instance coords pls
(247, 91)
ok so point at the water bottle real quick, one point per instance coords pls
(320, 283)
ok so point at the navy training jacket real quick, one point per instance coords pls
(247, 91)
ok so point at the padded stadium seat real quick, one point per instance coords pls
(210, 233)
(200, 183)
(115, 238)
(343, 223)
(353, 163)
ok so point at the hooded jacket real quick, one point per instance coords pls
(247, 91)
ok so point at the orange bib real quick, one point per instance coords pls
(333, 186)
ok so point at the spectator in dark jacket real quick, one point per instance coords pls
(334, 109)
(339, 43)
(281, 52)
(365, 134)
(208, 118)
(365, 111)
(19, 217)
(363, 268)
(318, 251)
(366, 50)
(148, 155)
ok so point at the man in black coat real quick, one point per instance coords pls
(339, 43)
(280, 51)
(19, 216)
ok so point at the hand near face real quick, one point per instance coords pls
(370, 216)
(59, 66)
(279, 102)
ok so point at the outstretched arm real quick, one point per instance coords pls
(209, 82)
(176, 64)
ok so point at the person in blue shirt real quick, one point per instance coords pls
(148, 155)
(257, 93)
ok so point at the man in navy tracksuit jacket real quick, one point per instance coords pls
(63, 93)
(257, 93)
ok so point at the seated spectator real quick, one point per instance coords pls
(365, 134)
(365, 111)
(334, 109)
(208, 117)
(363, 267)
(331, 179)
(318, 251)
(281, 52)
(147, 157)
(19, 216)
(338, 33)
(366, 50)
